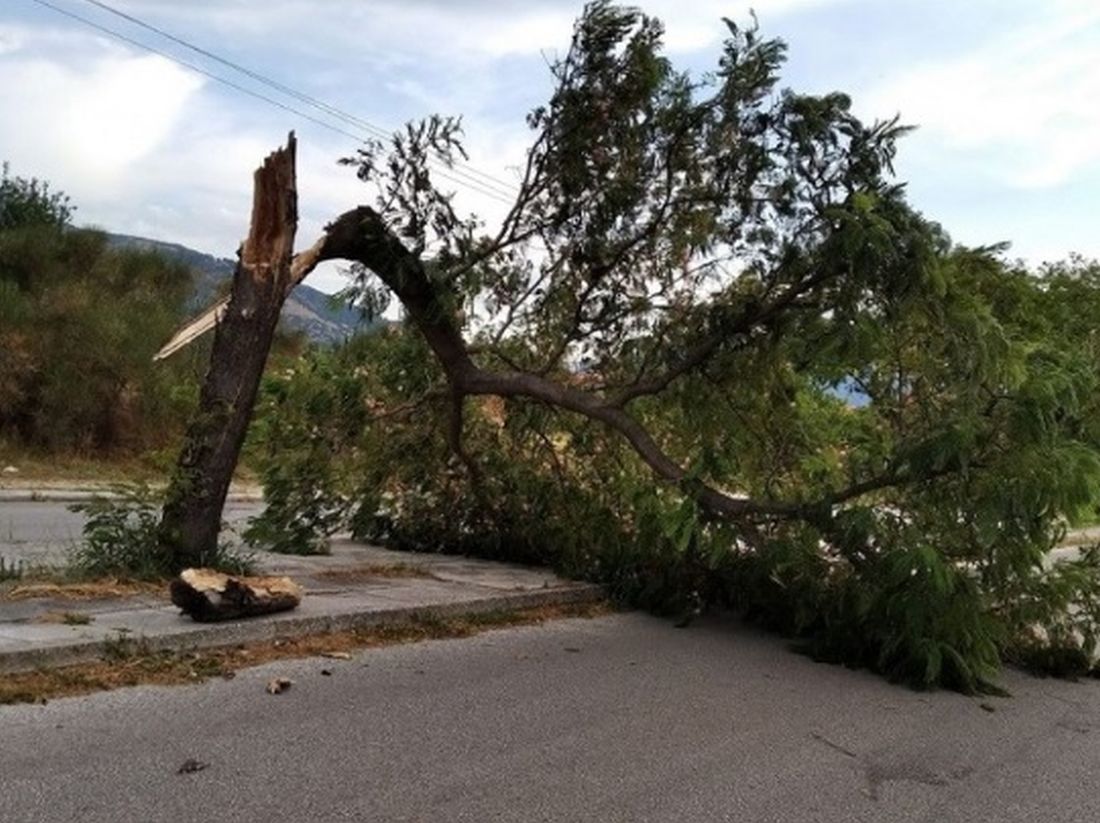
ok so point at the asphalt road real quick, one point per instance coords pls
(622, 718)
(41, 532)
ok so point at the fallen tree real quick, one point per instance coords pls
(691, 274)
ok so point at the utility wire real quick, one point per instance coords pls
(464, 168)
(252, 93)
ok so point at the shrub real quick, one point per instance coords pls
(79, 323)
(934, 585)
(11, 570)
(119, 538)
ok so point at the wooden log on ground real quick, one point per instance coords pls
(209, 596)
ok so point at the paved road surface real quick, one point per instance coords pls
(38, 532)
(621, 718)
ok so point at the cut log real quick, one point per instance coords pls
(209, 596)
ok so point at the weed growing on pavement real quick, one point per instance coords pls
(372, 571)
(120, 539)
(11, 569)
(59, 587)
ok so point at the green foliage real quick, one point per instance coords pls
(306, 411)
(715, 257)
(1057, 611)
(119, 539)
(79, 323)
(937, 593)
(30, 202)
(904, 611)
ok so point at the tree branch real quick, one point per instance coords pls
(360, 235)
(454, 440)
(699, 354)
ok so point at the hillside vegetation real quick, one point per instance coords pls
(81, 314)
(79, 323)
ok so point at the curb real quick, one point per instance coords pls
(83, 496)
(212, 636)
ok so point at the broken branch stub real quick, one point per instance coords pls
(243, 332)
(300, 267)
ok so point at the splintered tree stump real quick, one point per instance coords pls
(209, 596)
(242, 339)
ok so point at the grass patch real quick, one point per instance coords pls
(129, 662)
(364, 574)
(44, 469)
(61, 468)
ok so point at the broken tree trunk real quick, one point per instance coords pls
(209, 596)
(192, 514)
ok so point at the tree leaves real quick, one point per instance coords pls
(699, 263)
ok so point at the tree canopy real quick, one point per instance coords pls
(29, 202)
(643, 374)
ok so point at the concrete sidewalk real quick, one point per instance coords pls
(356, 586)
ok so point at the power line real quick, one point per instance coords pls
(252, 93)
(461, 169)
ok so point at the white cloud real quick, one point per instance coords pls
(1023, 107)
(688, 26)
(698, 25)
(475, 28)
(88, 127)
(123, 111)
(11, 40)
(144, 147)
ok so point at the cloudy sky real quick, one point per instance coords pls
(1006, 94)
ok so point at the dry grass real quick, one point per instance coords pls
(127, 663)
(84, 590)
(65, 618)
(45, 470)
(372, 571)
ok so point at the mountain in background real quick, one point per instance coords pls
(314, 313)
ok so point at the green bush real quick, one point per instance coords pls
(119, 539)
(305, 412)
(79, 323)
(735, 369)
(936, 584)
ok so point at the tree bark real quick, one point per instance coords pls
(209, 596)
(192, 513)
